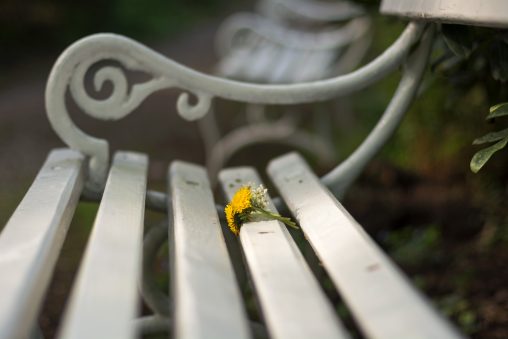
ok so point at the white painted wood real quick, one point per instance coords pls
(300, 66)
(291, 300)
(260, 64)
(104, 299)
(382, 300)
(286, 65)
(474, 12)
(309, 11)
(32, 239)
(232, 65)
(317, 66)
(207, 299)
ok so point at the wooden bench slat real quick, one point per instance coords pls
(104, 298)
(286, 65)
(259, 65)
(381, 298)
(32, 239)
(317, 66)
(207, 298)
(291, 300)
(233, 64)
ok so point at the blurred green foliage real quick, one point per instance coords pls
(457, 307)
(435, 136)
(415, 247)
(478, 54)
(419, 249)
(468, 74)
(30, 27)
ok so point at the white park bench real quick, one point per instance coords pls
(208, 265)
(281, 45)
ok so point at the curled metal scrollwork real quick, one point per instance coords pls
(157, 300)
(70, 71)
(72, 66)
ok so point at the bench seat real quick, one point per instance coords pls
(206, 299)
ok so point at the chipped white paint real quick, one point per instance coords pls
(104, 299)
(207, 299)
(32, 238)
(291, 300)
(383, 302)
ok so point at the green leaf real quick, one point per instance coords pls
(459, 39)
(491, 137)
(498, 110)
(481, 157)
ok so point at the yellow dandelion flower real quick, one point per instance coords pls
(250, 205)
(230, 217)
(239, 205)
(242, 200)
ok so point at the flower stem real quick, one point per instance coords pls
(276, 216)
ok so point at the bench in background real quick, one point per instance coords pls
(278, 45)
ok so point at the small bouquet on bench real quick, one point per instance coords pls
(250, 204)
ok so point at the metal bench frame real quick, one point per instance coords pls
(71, 67)
(383, 302)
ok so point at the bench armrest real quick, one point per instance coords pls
(71, 67)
